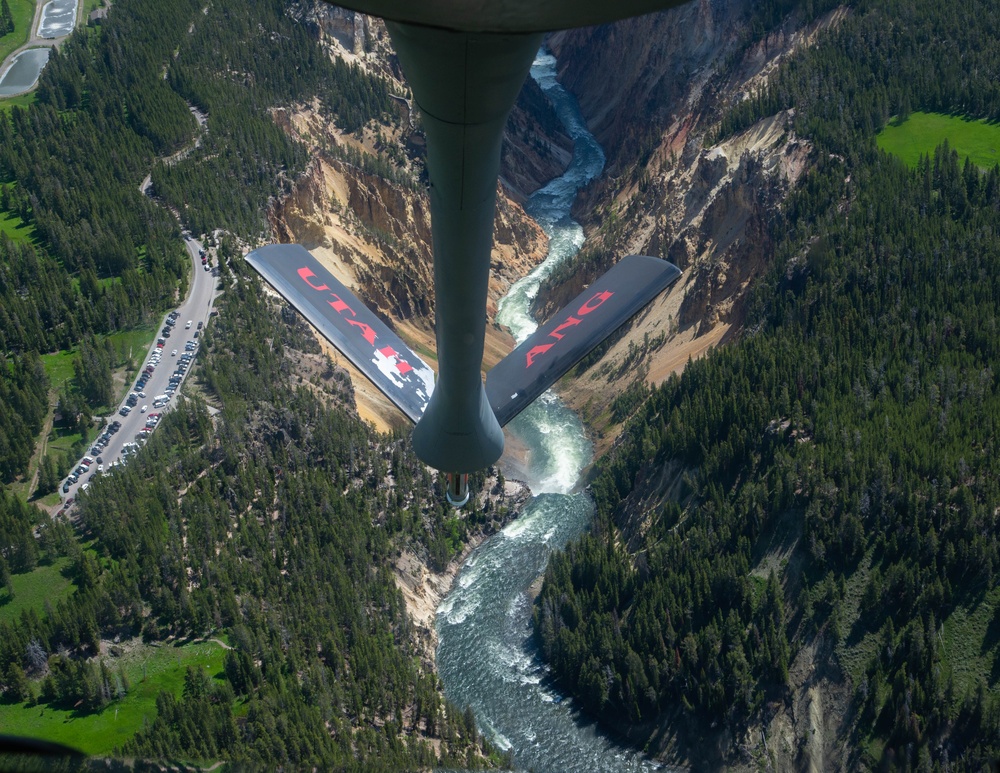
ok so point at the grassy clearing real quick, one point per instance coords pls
(21, 100)
(970, 642)
(15, 228)
(58, 367)
(855, 653)
(132, 346)
(922, 132)
(23, 12)
(148, 671)
(134, 343)
(31, 590)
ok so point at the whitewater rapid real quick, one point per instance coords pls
(486, 656)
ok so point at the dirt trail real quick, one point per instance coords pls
(814, 746)
(36, 458)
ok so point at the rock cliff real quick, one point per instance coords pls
(669, 190)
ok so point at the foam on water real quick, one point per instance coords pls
(58, 19)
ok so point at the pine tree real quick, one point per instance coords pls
(6, 19)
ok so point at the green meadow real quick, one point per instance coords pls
(46, 582)
(23, 12)
(15, 228)
(921, 133)
(148, 670)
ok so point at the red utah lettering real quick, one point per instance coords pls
(366, 332)
(339, 306)
(305, 273)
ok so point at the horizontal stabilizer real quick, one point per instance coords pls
(549, 352)
(347, 324)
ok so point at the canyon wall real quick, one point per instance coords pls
(653, 90)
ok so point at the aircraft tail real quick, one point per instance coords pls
(548, 353)
(347, 324)
(515, 381)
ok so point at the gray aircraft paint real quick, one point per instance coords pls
(465, 61)
(347, 324)
(507, 16)
(546, 355)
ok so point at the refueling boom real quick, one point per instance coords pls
(466, 61)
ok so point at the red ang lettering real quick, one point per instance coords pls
(535, 351)
(571, 322)
(305, 273)
(592, 304)
(401, 365)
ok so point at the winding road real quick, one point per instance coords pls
(190, 317)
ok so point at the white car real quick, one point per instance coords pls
(188, 325)
(173, 353)
(143, 409)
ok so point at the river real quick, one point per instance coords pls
(486, 658)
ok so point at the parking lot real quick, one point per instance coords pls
(161, 377)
